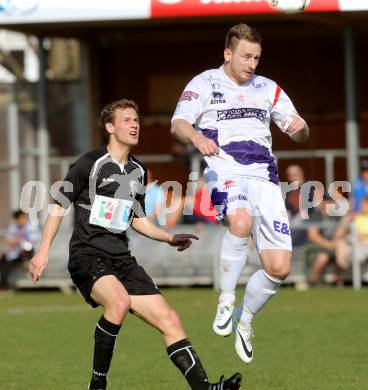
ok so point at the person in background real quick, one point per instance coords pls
(344, 248)
(360, 186)
(295, 174)
(21, 238)
(324, 238)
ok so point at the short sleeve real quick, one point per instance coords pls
(191, 102)
(73, 184)
(282, 108)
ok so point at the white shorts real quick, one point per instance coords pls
(264, 202)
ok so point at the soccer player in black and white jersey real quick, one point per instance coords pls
(106, 187)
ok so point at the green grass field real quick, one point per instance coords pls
(316, 339)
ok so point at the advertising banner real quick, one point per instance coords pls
(58, 11)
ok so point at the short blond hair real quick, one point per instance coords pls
(241, 31)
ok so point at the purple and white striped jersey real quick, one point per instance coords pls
(238, 119)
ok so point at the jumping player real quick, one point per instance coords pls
(107, 187)
(226, 113)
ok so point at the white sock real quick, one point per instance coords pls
(233, 256)
(260, 288)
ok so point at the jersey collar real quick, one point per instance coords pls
(225, 76)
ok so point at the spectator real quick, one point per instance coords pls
(344, 248)
(361, 226)
(295, 174)
(360, 187)
(21, 239)
(155, 199)
(324, 238)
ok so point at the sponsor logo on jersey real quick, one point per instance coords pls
(240, 113)
(111, 212)
(217, 97)
(229, 183)
(188, 95)
(281, 227)
(240, 98)
(234, 198)
(259, 85)
(106, 210)
(215, 85)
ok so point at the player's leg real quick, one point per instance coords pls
(154, 310)
(108, 292)
(231, 202)
(233, 254)
(271, 235)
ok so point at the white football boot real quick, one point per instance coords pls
(243, 342)
(222, 325)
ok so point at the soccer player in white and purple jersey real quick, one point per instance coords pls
(226, 113)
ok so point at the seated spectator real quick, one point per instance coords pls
(295, 175)
(322, 234)
(361, 228)
(360, 220)
(21, 239)
(360, 187)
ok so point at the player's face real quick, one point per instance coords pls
(241, 62)
(125, 128)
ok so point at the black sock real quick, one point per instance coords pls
(185, 358)
(105, 336)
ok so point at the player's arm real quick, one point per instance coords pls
(190, 107)
(297, 129)
(41, 258)
(68, 192)
(147, 228)
(284, 114)
(185, 132)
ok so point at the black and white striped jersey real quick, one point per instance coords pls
(106, 196)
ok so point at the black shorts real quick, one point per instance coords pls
(86, 269)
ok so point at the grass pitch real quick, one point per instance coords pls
(316, 339)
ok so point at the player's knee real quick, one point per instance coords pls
(118, 308)
(240, 226)
(170, 322)
(279, 270)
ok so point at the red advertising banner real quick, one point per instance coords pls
(185, 8)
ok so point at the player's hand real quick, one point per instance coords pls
(206, 146)
(294, 126)
(36, 266)
(182, 241)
